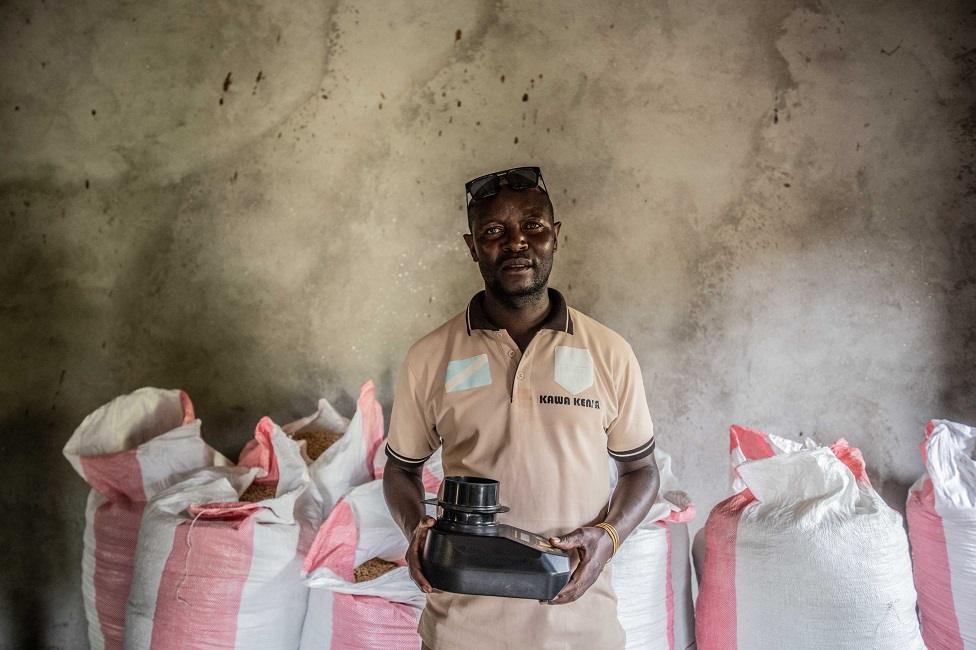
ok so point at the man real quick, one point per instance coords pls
(521, 388)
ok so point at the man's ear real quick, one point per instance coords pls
(555, 229)
(469, 240)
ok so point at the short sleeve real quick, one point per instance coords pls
(413, 437)
(630, 435)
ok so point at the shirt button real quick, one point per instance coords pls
(521, 375)
(511, 353)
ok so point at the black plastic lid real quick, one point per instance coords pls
(469, 494)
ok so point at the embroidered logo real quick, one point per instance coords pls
(463, 374)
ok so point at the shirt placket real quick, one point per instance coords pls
(520, 365)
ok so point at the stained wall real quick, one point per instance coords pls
(262, 203)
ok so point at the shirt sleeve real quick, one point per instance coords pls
(413, 438)
(630, 435)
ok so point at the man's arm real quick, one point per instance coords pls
(632, 499)
(403, 488)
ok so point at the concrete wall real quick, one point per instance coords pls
(261, 202)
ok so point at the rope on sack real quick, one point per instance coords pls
(186, 562)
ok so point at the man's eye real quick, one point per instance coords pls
(494, 230)
(533, 225)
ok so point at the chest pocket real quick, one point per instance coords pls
(464, 374)
(573, 368)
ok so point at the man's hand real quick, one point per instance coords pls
(403, 489)
(595, 548)
(417, 541)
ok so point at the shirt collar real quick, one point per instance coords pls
(559, 319)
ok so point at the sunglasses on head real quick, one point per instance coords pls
(517, 178)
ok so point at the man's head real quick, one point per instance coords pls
(513, 237)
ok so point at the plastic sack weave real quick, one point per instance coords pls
(651, 574)
(941, 517)
(348, 462)
(806, 555)
(378, 614)
(214, 572)
(127, 451)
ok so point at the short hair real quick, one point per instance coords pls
(473, 208)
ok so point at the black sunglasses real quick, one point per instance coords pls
(517, 178)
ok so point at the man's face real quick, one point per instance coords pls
(513, 238)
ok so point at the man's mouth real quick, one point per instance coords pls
(516, 266)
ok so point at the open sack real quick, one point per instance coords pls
(345, 447)
(380, 612)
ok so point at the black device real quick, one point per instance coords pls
(468, 552)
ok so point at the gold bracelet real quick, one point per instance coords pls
(612, 532)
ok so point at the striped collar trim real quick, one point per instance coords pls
(559, 319)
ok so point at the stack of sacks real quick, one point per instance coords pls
(128, 450)
(651, 572)
(362, 597)
(340, 452)
(214, 570)
(942, 528)
(805, 555)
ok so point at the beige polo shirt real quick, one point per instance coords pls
(541, 423)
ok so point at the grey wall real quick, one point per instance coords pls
(261, 203)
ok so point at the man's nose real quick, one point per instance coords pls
(515, 240)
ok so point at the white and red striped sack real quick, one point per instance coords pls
(348, 462)
(651, 576)
(432, 474)
(942, 528)
(378, 614)
(127, 451)
(214, 572)
(806, 555)
(651, 571)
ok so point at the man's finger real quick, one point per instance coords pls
(565, 596)
(420, 580)
(413, 561)
(575, 588)
(414, 548)
(418, 577)
(568, 541)
(420, 533)
(414, 551)
(569, 587)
